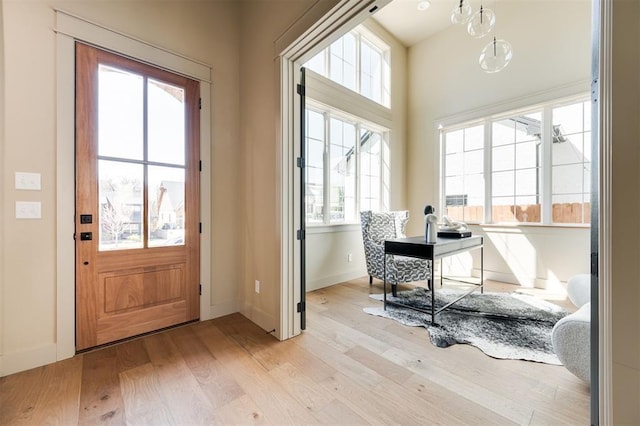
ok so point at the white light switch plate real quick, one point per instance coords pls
(28, 181)
(28, 210)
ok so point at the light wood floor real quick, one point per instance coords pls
(346, 368)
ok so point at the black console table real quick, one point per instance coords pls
(443, 247)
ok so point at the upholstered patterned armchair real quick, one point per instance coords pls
(378, 227)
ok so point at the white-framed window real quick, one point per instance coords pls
(347, 166)
(358, 61)
(571, 163)
(464, 173)
(516, 174)
(532, 167)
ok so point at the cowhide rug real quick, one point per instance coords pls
(502, 325)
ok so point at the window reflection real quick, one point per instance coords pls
(166, 206)
(120, 205)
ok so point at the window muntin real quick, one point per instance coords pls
(523, 187)
(358, 62)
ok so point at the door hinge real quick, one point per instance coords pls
(200, 165)
(300, 162)
(199, 103)
(594, 264)
(200, 227)
(200, 289)
(301, 234)
(301, 307)
(300, 90)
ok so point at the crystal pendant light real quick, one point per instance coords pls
(481, 23)
(495, 56)
(461, 13)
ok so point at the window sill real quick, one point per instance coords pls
(336, 227)
(532, 225)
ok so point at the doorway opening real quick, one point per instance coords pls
(290, 66)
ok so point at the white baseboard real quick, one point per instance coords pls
(30, 358)
(528, 282)
(334, 279)
(262, 319)
(220, 310)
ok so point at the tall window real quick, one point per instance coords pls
(357, 61)
(342, 166)
(315, 167)
(347, 167)
(515, 166)
(371, 171)
(538, 164)
(571, 163)
(343, 61)
(464, 174)
(371, 65)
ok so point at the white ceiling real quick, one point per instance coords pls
(403, 19)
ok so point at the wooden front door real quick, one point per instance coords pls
(137, 198)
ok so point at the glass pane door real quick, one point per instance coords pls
(141, 160)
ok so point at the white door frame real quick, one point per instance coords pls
(602, 313)
(342, 18)
(69, 29)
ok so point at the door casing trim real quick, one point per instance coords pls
(70, 29)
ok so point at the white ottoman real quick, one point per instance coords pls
(571, 335)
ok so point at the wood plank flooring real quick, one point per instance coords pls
(346, 368)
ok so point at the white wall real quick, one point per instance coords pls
(514, 255)
(328, 250)
(551, 44)
(264, 26)
(328, 247)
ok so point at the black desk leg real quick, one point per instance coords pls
(384, 280)
(433, 292)
(482, 269)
